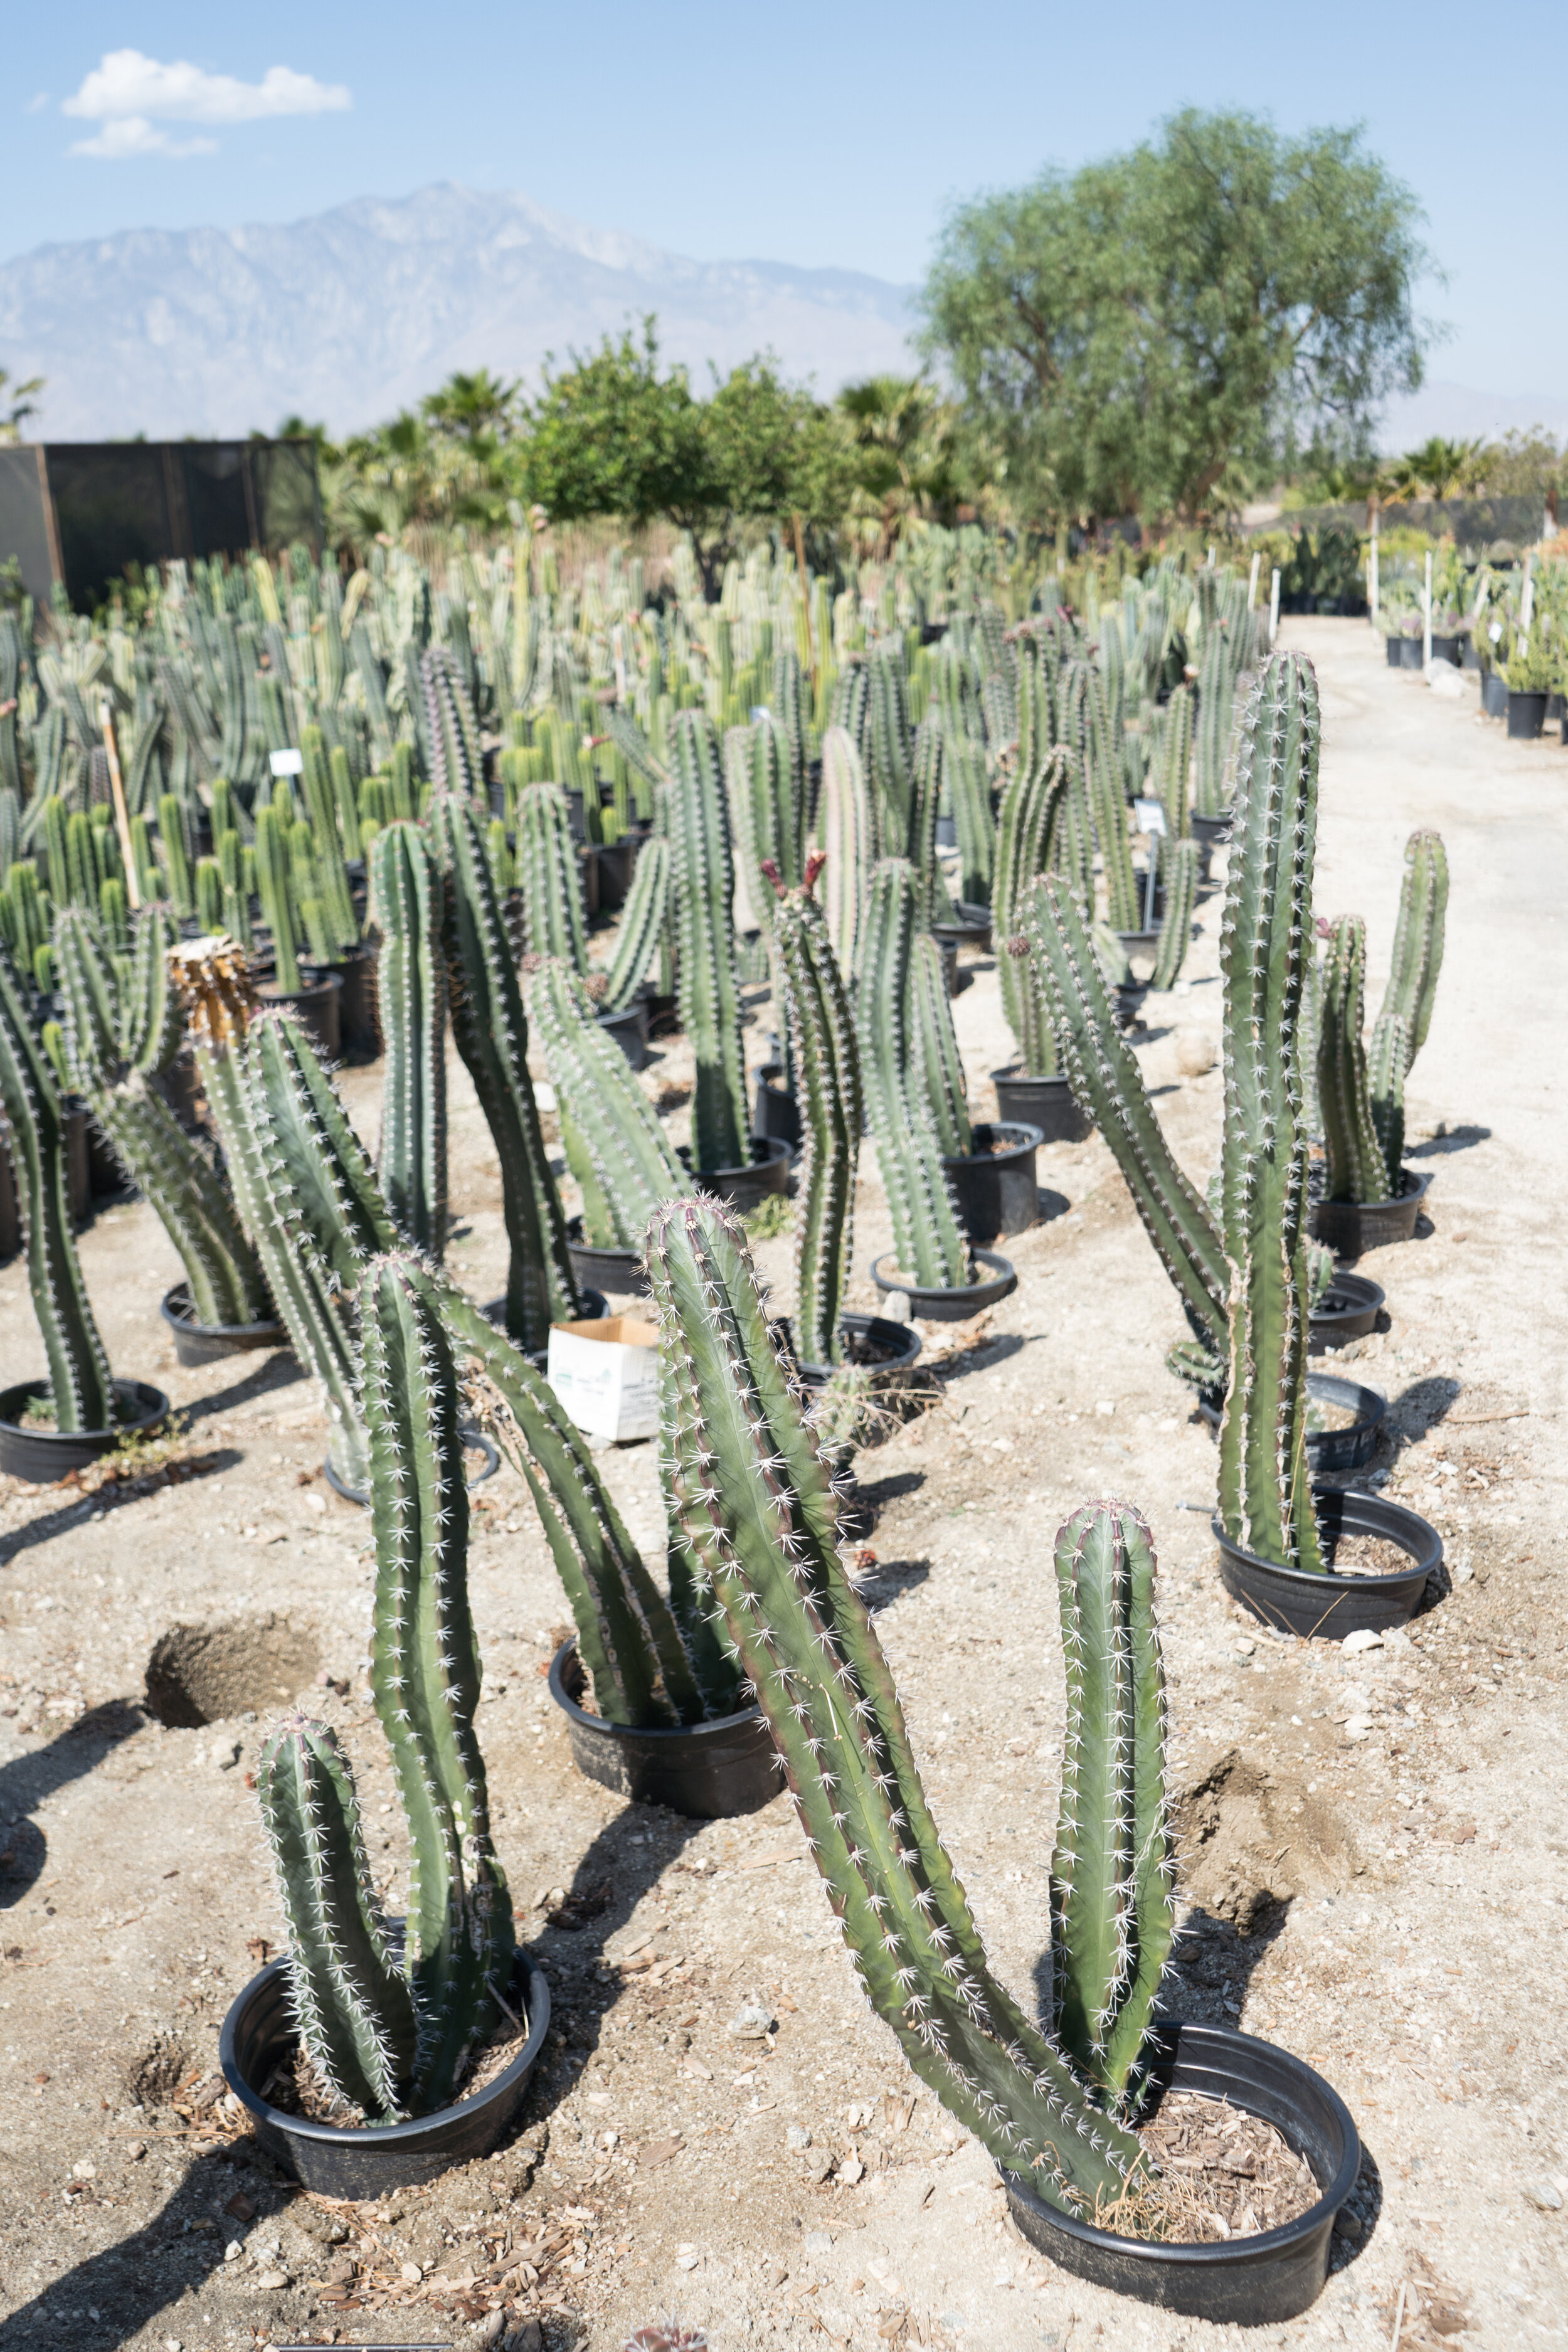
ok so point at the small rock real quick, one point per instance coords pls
(1544, 2196)
(270, 2281)
(491, 2328)
(851, 2172)
(314, 1502)
(82, 2169)
(751, 2021)
(1195, 1052)
(1105, 1409)
(412, 2273)
(818, 2165)
(798, 2137)
(817, 2241)
(233, 2251)
(1364, 1638)
(137, 2150)
(686, 2261)
(1358, 1726)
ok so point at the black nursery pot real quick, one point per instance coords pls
(951, 1305)
(474, 1440)
(1210, 833)
(709, 1772)
(972, 929)
(42, 1455)
(1347, 1310)
(616, 861)
(1349, 1227)
(1332, 1606)
(1043, 1102)
(620, 1272)
(203, 1343)
(745, 1188)
(363, 2164)
(1494, 694)
(1526, 716)
(995, 1185)
(630, 1030)
(775, 1114)
(1244, 2281)
(359, 1015)
(179, 1088)
(883, 1348)
(1142, 952)
(317, 1006)
(1447, 650)
(1335, 1451)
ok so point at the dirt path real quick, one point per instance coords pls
(1390, 1905)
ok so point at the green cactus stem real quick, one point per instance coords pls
(553, 922)
(828, 1087)
(1353, 1142)
(1090, 733)
(1180, 861)
(457, 764)
(1028, 823)
(1265, 1486)
(171, 834)
(274, 885)
(81, 1390)
(1400, 1029)
(766, 812)
(938, 1067)
(1030, 985)
(407, 906)
(615, 1148)
(642, 921)
(928, 1241)
(760, 1520)
(703, 889)
(1175, 779)
(491, 1031)
(845, 835)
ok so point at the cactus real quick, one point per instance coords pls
(1175, 780)
(1264, 1488)
(1036, 1030)
(1400, 1029)
(457, 765)
(643, 920)
(1087, 729)
(1180, 859)
(925, 796)
(758, 1517)
(172, 834)
(969, 796)
(828, 1083)
(274, 888)
(324, 844)
(845, 837)
(1212, 728)
(491, 1032)
(81, 1390)
(553, 922)
(393, 2034)
(189, 1197)
(702, 884)
(1029, 822)
(617, 1149)
(889, 750)
(937, 1065)
(1356, 1169)
(766, 810)
(407, 906)
(928, 1241)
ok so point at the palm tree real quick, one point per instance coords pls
(902, 434)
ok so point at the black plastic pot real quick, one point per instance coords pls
(884, 1349)
(947, 833)
(1329, 1450)
(1447, 650)
(180, 1089)
(1469, 658)
(1348, 1309)
(42, 1455)
(1403, 653)
(474, 1440)
(1043, 1103)
(616, 861)
(620, 1272)
(949, 964)
(1332, 1606)
(1210, 833)
(1243, 2282)
(710, 1771)
(972, 929)
(364, 2164)
(745, 1188)
(1526, 716)
(1141, 950)
(359, 1015)
(995, 1185)
(663, 1013)
(1494, 694)
(203, 1343)
(1394, 649)
(1349, 1227)
(1554, 708)
(952, 1306)
(775, 1114)
(630, 1030)
(317, 1006)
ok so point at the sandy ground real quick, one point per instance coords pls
(1390, 1905)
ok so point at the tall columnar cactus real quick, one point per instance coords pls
(1102, 775)
(191, 1198)
(1212, 727)
(969, 796)
(1265, 1486)
(938, 1065)
(392, 2032)
(81, 1390)
(1175, 779)
(1036, 1030)
(617, 1150)
(408, 908)
(827, 1087)
(1356, 1168)
(889, 749)
(1029, 825)
(1180, 861)
(491, 1031)
(758, 1518)
(274, 885)
(455, 760)
(925, 798)
(553, 922)
(928, 1241)
(1400, 1029)
(845, 837)
(643, 920)
(703, 889)
(767, 810)
(177, 863)
(324, 849)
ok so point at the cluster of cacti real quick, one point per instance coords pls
(759, 1519)
(554, 921)
(408, 899)
(391, 2027)
(1361, 1088)
(927, 1240)
(702, 888)
(1028, 827)
(615, 1148)
(828, 1087)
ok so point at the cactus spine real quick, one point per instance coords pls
(81, 1390)
(758, 1514)
(491, 1031)
(617, 1151)
(408, 904)
(1265, 1490)
(928, 1241)
(703, 888)
(552, 917)
(827, 1085)
(1180, 859)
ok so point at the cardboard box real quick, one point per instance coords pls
(606, 1375)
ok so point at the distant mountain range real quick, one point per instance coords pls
(355, 313)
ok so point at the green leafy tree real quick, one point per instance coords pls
(903, 438)
(16, 404)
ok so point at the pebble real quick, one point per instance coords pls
(1544, 2196)
(817, 2241)
(271, 2280)
(1364, 1638)
(851, 2172)
(233, 2251)
(84, 2170)
(412, 2273)
(798, 2137)
(1358, 1726)
(750, 2022)
(137, 2150)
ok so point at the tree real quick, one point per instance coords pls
(16, 404)
(1158, 327)
(902, 433)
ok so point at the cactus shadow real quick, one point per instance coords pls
(1424, 1405)
(28, 1781)
(71, 1514)
(1447, 1140)
(279, 1371)
(994, 1349)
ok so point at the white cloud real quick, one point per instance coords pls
(130, 95)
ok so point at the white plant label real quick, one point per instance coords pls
(288, 763)
(1149, 816)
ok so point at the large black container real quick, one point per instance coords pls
(359, 1015)
(745, 1188)
(1526, 715)
(1349, 1227)
(618, 1271)
(1043, 1102)
(775, 1114)
(203, 1343)
(884, 1349)
(1347, 1310)
(317, 1007)
(995, 1185)
(1244, 2281)
(1141, 950)
(180, 1088)
(630, 1030)
(972, 929)
(1494, 694)
(708, 1772)
(616, 861)
(42, 1455)
(1332, 1606)
(1331, 1452)
(1447, 650)
(365, 2164)
(998, 1281)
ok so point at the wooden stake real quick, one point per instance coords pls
(122, 821)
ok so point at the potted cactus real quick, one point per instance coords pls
(1056, 2108)
(388, 2021)
(408, 909)
(79, 1412)
(1367, 1196)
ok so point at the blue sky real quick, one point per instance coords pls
(813, 134)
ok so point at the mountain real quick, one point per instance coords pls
(357, 312)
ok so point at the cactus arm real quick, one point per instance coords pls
(151, 1028)
(927, 1240)
(1388, 1060)
(317, 1169)
(1108, 1084)
(1028, 822)
(408, 902)
(457, 765)
(548, 875)
(352, 2006)
(1102, 775)
(274, 888)
(708, 978)
(619, 1151)
(642, 923)
(844, 827)
(491, 1031)
(1265, 1490)
(757, 1511)
(1351, 1134)
(827, 1079)
(80, 1385)
(1181, 864)
(937, 1065)
(1417, 956)
(425, 1670)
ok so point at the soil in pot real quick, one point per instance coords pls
(1367, 1556)
(1224, 2174)
(33, 1449)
